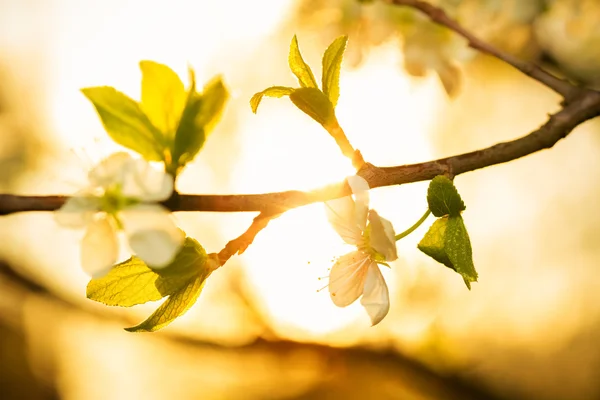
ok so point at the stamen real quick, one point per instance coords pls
(324, 287)
(82, 155)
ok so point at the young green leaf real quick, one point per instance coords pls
(133, 282)
(214, 97)
(458, 248)
(163, 96)
(447, 242)
(175, 306)
(332, 63)
(433, 243)
(443, 198)
(316, 105)
(187, 134)
(273, 91)
(200, 115)
(127, 284)
(299, 67)
(125, 122)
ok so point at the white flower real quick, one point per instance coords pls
(122, 194)
(430, 47)
(358, 273)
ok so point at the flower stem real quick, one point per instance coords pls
(415, 226)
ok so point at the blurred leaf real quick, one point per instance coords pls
(133, 282)
(175, 306)
(273, 91)
(315, 104)
(125, 122)
(299, 67)
(450, 76)
(443, 198)
(447, 242)
(200, 115)
(332, 62)
(163, 96)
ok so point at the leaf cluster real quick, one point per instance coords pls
(170, 124)
(317, 103)
(447, 240)
(132, 282)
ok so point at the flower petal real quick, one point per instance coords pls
(360, 189)
(341, 215)
(77, 211)
(451, 77)
(147, 183)
(376, 298)
(152, 234)
(347, 278)
(110, 170)
(99, 247)
(383, 237)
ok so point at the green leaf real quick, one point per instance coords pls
(273, 91)
(163, 96)
(200, 115)
(315, 104)
(186, 134)
(443, 198)
(175, 306)
(433, 243)
(214, 97)
(332, 63)
(447, 242)
(133, 282)
(299, 67)
(458, 248)
(125, 122)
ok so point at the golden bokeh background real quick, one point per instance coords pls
(261, 329)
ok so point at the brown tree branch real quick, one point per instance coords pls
(436, 14)
(558, 126)
(241, 243)
(579, 106)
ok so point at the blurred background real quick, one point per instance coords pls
(410, 92)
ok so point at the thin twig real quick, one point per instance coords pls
(438, 15)
(241, 243)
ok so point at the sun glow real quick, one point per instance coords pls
(387, 120)
(384, 113)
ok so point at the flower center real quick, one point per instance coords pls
(366, 247)
(113, 200)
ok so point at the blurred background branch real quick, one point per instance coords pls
(326, 372)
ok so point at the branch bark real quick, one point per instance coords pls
(583, 108)
(579, 105)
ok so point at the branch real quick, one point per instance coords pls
(241, 243)
(558, 126)
(436, 14)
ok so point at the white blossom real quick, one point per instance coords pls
(357, 273)
(122, 195)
